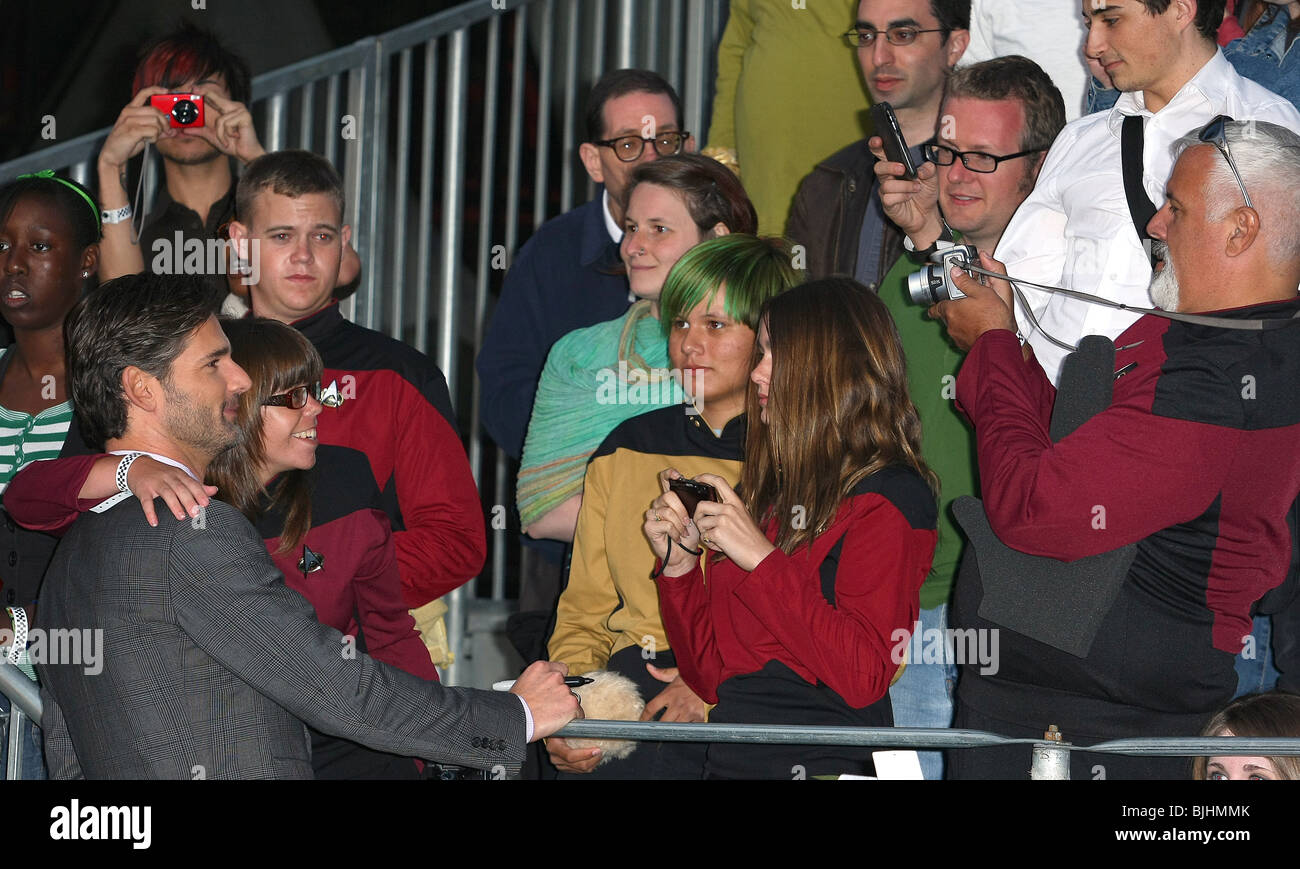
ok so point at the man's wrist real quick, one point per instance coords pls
(528, 720)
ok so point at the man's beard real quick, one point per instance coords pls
(1164, 283)
(188, 423)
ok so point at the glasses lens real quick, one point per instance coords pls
(939, 155)
(978, 162)
(901, 35)
(856, 38)
(629, 148)
(668, 144)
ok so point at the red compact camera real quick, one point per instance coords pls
(184, 110)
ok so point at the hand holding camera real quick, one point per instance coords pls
(137, 124)
(228, 128)
(973, 307)
(669, 528)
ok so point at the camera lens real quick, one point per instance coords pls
(925, 287)
(185, 112)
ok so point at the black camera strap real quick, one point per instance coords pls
(1140, 206)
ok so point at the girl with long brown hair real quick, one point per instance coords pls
(803, 614)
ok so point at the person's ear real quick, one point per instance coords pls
(1245, 231)
(141, 388)
(239, 236)
(1185, 13)
(690, 146)
(345, 235)
(956, 47)
(590, 155)
(90, 260)
(720, 229)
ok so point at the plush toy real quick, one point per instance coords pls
(611, 697)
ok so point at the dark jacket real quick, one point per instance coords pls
(828, 211)
(211, 664)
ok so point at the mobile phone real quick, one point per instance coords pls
(692, 493)
(886, 127)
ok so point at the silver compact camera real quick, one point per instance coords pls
(933, 283)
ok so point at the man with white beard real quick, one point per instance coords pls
(1195, 464)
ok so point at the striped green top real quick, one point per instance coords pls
(25, 438)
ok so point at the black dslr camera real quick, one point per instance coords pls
(933, 283)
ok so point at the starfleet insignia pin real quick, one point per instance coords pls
(329, 396)
(310, 561)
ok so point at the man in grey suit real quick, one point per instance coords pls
(211, 665)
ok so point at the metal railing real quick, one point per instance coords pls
(1050, 759)
(431, 125)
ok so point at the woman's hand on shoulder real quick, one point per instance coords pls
(667, 521)
(149, 479)
(726, 526)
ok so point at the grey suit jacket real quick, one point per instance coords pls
(211, 665)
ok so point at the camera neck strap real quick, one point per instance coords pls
(1250, 325)
(1140, 206)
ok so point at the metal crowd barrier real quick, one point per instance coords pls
(1050, 759)
(24, 702)
(436, 179)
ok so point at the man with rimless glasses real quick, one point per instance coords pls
(906, 49)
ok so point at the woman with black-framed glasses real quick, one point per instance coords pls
(315, 506)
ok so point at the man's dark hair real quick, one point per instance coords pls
(1018, 78)
(190, 52)
(952, 15)
(622, 82)
(143, 320)
(288, 173)
(1209, 14)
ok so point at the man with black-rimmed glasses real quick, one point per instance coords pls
(997, 120)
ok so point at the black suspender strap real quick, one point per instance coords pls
(1140, 206)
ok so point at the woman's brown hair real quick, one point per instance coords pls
(712, 192)
(277, 358)
(838, 407)
(1257, 715)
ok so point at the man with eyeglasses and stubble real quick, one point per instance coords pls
(567, 276)
(906, 49)
(997, 120)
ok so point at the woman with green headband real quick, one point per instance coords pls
(49, 253)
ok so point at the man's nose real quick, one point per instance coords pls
(1095, 43)
(237, 380)
(882, 50)
(1157, 225)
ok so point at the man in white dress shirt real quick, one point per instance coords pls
(1076, 230)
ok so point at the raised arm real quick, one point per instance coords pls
(49, 495)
